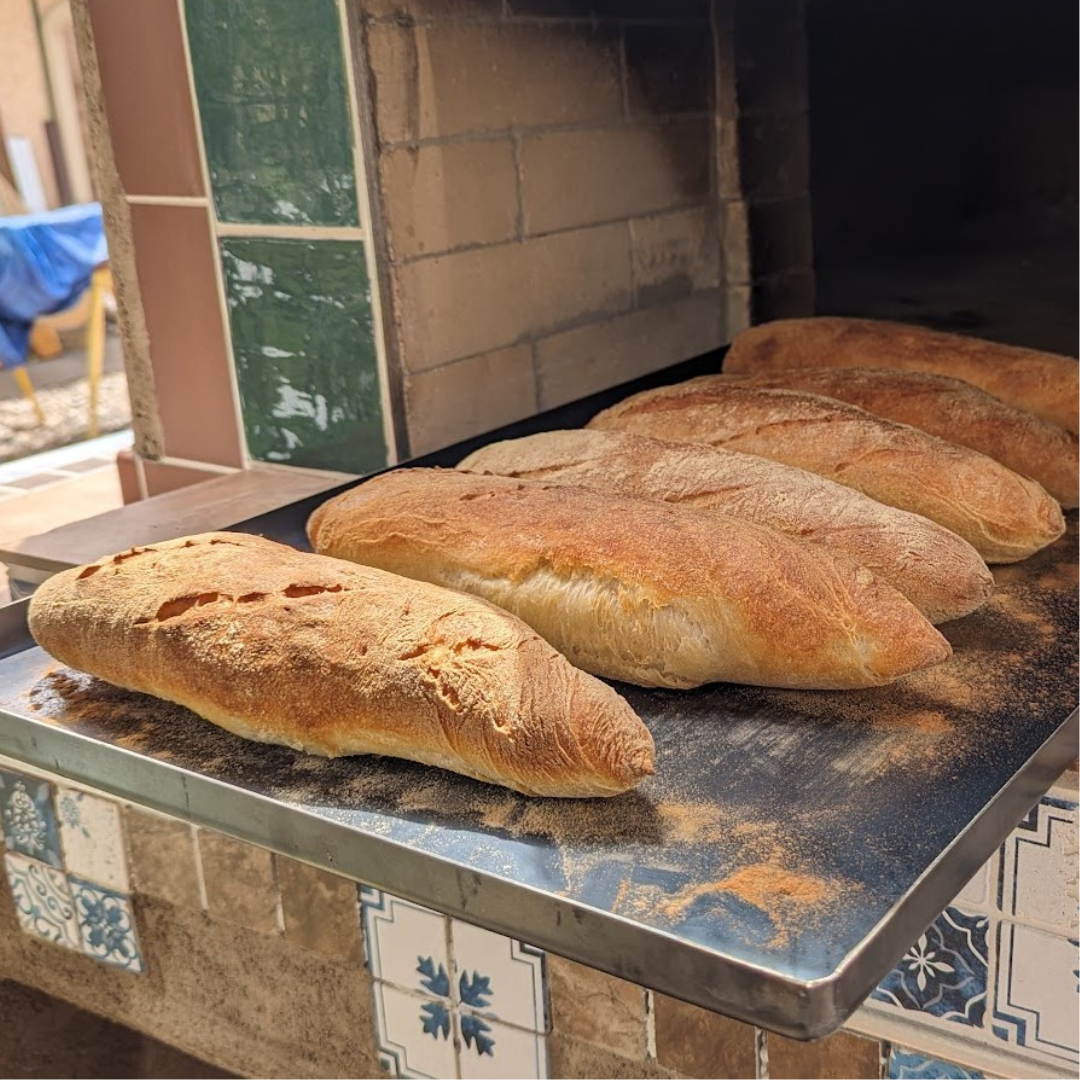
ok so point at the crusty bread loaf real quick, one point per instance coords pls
(1004, 516)
(636, 589)
(941, 574)
(333, 659)
(1037, 382)
(951, 409)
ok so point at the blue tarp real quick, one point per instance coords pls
(45, 264)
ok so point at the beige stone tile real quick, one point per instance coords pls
(591, 358)
(321, 910)
(438, 198)
(437, 80)
(698, 1043)
(569, 1057)
(469, 397)
(240, 883)
(163, 858)
(47, 1037)
(675, 254)
(840, 1055)
(240, 1000)
(460, 305)
(216, 504)
(60, 504)
(598, 1008)
(572, 178)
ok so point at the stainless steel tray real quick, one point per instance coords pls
(789, 849)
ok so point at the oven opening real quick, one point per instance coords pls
(943, 166)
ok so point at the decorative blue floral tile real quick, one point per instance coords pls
(28, 819)
(106, 925)
(908, 1065)
(944, 973)
(405, 943)
(489, 1050)
(499, 976)
(43, 901)
(92, 838)
(1039, 866)
(416, 1036)
(445, 991)
(1037, 991)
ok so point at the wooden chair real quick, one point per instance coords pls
(45, 342)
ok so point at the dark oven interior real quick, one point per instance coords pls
(944, 165)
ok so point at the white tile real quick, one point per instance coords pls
(1040, 867)
(415, 1033)
(977, 892)
(499, 976)
(92, 838)
(43, 901)
(493, 1051)
(1036, 992)
(406, 943)
(106, 925)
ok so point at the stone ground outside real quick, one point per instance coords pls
(63, 391)
(50, 475)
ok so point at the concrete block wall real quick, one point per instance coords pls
(261, 965)
(547, 181)
(554, 196)
(763, 160)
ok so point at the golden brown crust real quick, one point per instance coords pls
(1037, 382)
(941, 574)
(951, 409)
(1004, 516)
(334, 659)
(636, 589)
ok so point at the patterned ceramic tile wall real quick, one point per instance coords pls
(451, 999)
(66, 867)
(997, 971)
(304, 347)
(909, 1064)
(989, 990)
(278, 138)
(273, 105)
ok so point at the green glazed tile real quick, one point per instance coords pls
(304, 343)
(270, 79)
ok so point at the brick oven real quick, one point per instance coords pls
(352, 232)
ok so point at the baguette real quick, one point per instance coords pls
(941, 574)
(1005, 517)
(333, 659)
(635, 589)
(951, 409)
(1037, 382)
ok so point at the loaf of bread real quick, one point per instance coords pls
(1004, 516)
(284, 647)
(941, 574)
(951, 409)
(635, 589)
(1037, 382)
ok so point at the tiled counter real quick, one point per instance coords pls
(266, 966)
